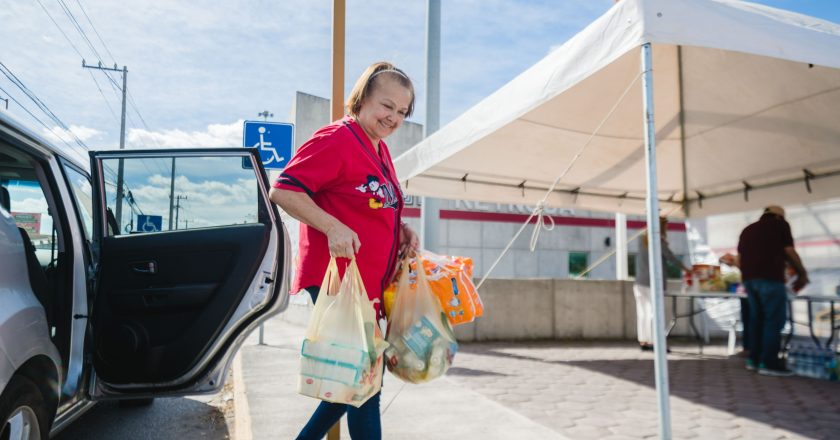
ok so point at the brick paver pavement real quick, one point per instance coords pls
(605, 391)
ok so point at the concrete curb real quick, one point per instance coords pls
(241, 411)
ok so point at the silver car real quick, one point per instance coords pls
(127, 274)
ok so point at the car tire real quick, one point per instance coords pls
(23, 412)
(134, 403)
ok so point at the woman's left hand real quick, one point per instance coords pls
(409, 242)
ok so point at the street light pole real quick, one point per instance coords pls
(265, 114)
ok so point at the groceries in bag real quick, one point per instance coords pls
(422, 345)
(342, 355)
(450, 279)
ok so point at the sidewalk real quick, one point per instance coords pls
(440, 409)
(556, 389)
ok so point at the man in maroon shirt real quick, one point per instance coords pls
(763, 250)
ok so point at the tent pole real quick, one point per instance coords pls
(685, 202)
(655, 249)
(621, 272)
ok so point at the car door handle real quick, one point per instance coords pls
(145, 267)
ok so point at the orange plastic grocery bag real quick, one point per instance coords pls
(342, 353)
(450, 279)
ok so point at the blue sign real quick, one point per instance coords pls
(273, 140)
(149, 223)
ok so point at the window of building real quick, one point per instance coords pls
(631, 265)
(578, 262)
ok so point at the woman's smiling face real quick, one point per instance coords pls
(385, 109)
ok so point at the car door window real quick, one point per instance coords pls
(176, 193)
(80, 185)
(31, 213)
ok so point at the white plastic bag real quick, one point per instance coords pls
(342, 354)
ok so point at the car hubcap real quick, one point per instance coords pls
(22, 425)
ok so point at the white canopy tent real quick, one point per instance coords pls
(745, 96)
(743, 100)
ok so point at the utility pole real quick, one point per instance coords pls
(265, 114)
(121, 166)
(172, 195)
(336, 111)
(430, 207)
(178, 199)
(6, 100)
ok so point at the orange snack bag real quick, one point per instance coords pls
(450, 279)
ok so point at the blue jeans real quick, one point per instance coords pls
(768, 312)
(364, 423)
(746, 338)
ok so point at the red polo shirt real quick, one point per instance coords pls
(344, 175)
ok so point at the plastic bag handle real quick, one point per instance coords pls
(332, 280)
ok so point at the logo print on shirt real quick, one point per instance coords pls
(381, 195)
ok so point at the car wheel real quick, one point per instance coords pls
(133, 403)
(23, 411)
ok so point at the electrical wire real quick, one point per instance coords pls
(35, 117)
(40, 104)
(103, 95)
(78, 27)
(61, 30)
(96, 32)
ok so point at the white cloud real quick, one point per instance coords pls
(206, 202)
(57, 134)
(214, 136)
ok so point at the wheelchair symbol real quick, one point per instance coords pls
(266, 146)
(148, 226)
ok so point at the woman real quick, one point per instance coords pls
(641, 286)
(342, 186)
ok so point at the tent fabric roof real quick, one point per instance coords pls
(746, 102)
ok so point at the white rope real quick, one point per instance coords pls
(539, 210)
(607, 256)
(612, 252)
(392, 400)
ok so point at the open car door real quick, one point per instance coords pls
(190, 256)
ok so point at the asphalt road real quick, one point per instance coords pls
(200, 417)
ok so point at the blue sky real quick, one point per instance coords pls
(196, 69)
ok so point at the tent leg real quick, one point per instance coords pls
(621, 270)
(655, 249)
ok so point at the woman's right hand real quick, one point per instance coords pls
(343, 242)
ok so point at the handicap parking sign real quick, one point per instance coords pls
(273, 140)
(149, 223)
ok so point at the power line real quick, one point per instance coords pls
(78, 27)
(113, 58)
(39, 103)
(142, 120)
(35, 117)
(103, 95)
(115, 86)
(60, 30)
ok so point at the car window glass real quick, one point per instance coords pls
(176, 193)
(80, 185)
(31, 213)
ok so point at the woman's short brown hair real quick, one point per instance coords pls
(366, 82)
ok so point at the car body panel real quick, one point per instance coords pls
(24, 333)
